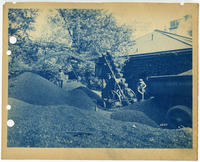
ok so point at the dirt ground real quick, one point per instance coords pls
(67, 126)
(76, 122)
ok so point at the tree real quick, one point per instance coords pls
(95, 31)
(66, 35)
(20, 23)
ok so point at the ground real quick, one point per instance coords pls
(75, 125)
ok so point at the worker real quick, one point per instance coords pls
(61, 78)
(107, 92)
(101, 68)
(141, 88)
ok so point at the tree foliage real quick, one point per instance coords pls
(23, 54)
(71, 40)
(20, 22)
(96, 31)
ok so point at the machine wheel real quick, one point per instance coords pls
(179, 116)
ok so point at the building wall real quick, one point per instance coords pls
(163, 63)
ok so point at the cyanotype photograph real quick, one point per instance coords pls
(101, 77)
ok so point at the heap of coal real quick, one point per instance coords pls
(68, 126)
(133, 116)
(72, 85)
(34, 89)
(48, 116)
(95, 98)
(151, 108)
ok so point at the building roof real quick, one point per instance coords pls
(189, 72)
(159, 41)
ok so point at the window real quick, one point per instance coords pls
(174, 24)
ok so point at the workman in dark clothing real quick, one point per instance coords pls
(109, 57)
(107, 92)
(102, 68)
(105, 69)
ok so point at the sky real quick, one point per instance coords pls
(141, 18)
(146, 18)
(46, 31)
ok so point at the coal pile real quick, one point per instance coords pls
(68, 126)
(34, 89)
(151, 108)
(95, 98)
(70, 85)
(48, 116)
(78, 98)
(133, 116)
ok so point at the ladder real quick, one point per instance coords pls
(113, 75)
